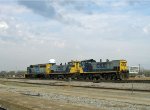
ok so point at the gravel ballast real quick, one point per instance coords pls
(79, 99)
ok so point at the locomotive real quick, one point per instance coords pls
(85, 69)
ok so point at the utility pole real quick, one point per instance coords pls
(139, 69)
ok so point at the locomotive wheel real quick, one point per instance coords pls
(94, 79)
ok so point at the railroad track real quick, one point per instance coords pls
(111, 81)
(82, 86)
(95, 81)
(125, 81)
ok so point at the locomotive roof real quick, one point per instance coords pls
(40, 64)
(90, 60)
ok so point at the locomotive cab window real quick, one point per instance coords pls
(72, 65)
(123, 64)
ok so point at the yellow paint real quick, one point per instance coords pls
(48, 70)
(76, 67)
(123, 65)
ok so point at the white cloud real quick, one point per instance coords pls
(107, 3)
(119, 4)
(3, 25)
(146, 29)
(59, 44)
(12, 9)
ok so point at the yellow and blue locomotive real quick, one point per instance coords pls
(86, 69)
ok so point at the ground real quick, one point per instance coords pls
(23, 96)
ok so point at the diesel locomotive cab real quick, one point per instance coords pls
(124, 70)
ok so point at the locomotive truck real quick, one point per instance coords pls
(85, 69)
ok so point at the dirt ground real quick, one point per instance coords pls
(20, 102)
(21, 96)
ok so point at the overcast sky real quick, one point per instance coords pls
(33, 32)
